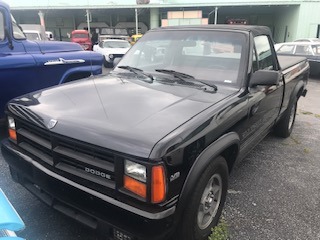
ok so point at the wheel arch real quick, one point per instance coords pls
(298, 90)
(75, 76)
(226, 146)
(77, 73)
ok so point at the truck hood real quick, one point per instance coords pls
(126, 115)
(56, 46)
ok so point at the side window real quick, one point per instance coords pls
(264, 53)
(17, 32)
(1, 27)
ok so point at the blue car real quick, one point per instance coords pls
(9, 220)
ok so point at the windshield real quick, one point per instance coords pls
(116, 44)
(206, 55)
(17, 32)
(80, 35)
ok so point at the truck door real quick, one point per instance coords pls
(15, 63)
(264, 101)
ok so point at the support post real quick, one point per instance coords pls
(215, 15)
(41, 16)
(88, 20)
(137, 20)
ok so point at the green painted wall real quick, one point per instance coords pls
(293, 18)
(288, 19)
(309, 19)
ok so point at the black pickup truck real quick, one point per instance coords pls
(145, 152)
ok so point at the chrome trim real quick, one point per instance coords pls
(7, 233)
(61, 61)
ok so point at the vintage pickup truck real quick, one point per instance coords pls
(145, 152)
(27, 66)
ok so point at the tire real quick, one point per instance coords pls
(206, 203)
(284, 127)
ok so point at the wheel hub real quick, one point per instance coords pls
(209, 200)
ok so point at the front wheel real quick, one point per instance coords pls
(206, 203)
(284, 127)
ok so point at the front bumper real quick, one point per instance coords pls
(110, 59)
(108, 216)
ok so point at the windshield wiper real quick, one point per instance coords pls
(184, 77)
(137, 71)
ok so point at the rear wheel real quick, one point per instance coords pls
(206, 203)
(285, 125)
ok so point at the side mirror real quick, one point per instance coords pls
(264, 77)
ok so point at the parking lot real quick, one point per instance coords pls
(274, 193)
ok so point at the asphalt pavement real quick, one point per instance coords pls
(274, 193)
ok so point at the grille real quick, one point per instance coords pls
(78, 161)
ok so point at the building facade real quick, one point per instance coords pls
(288, 19)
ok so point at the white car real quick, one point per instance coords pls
(112, 49)
(277, 46)
(313, 40)
(307, 40)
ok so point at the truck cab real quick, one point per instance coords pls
(83, 38)
(26, 66)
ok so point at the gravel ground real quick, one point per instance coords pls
(274, 192)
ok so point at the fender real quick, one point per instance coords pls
(10, 220)
(202, 161)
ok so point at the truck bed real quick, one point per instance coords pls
(289, 61)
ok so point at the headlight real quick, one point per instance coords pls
(110, 56)
(135, 170)
(12, 128)
(135, 178)
(11, 123)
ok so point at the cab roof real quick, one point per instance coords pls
(255, 30)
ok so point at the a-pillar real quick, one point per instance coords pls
(154, 18)
(41, 16)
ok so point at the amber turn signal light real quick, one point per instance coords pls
(13, 134)
(158, 184)
(135, 186)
